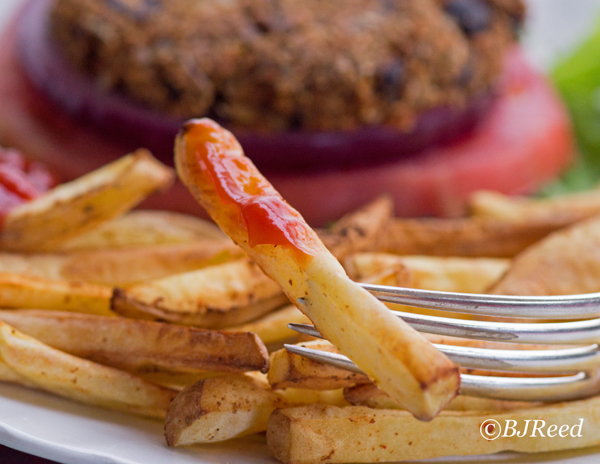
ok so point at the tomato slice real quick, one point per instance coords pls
(21, 180)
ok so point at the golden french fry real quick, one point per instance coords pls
(144, 227)
(214, 297)
(298, 396)
(75, 207)
(360, 230)
(396, 276)
(450, 274)
(291, 370)
(397, 357)
(142, 346)
(566, 262)
(19, 291)
(471, 237)
(273, 327)
(77, 379)
(319, 433)
(121, 267)
(231, 406)
(570, 207)
(372, 397)
(8, 375)
(219, 409)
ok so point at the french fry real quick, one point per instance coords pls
(298, 396)
(8, 375)
(142, 346)
(360, 230)
(19, 291)
(214, 297)
(232, 406)
(566, 262)
(395, 276)
(470, 237)
(398, 358)
(320, 433)
(273, 327)
(450, 274)
(219, 409)
(176, 381)
(143, 227)
(121, 267)
(372, 397)
(291, 370)
(570, 207)
(35, 363)
(75, 207)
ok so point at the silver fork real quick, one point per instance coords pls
(568, 373)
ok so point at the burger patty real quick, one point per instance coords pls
(276, 65)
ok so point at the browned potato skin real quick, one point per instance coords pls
(566, 262)
(213, 318)
(142, 346)
(215, 297)
(471, 237)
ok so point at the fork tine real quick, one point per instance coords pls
(547, 389)
(548, 307)
(563, 388)
(574, 332)
(551, 360)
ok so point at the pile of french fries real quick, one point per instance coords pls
(161, 315)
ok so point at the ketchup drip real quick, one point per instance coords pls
(21, 180)
(267, 217)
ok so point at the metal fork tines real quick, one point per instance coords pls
(573, 371)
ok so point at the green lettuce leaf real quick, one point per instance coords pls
(577, 78)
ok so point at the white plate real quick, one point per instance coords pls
(50, 427)
(70, 433)
(53, 428)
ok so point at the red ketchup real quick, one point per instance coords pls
(267, 217)
(21, 180)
